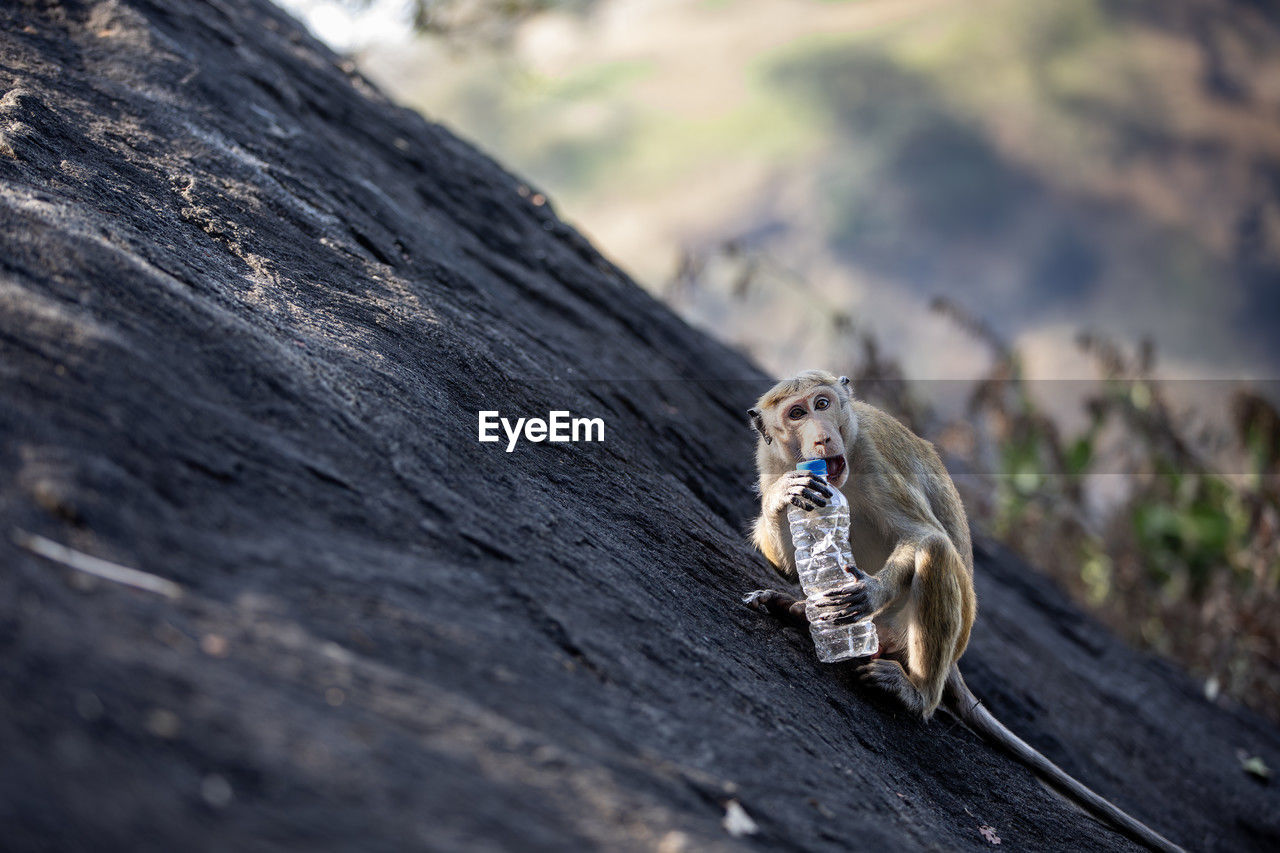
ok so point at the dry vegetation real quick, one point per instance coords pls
(1180, 555)
(1187, 560)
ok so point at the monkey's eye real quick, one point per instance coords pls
(821, 403)
(796, 413)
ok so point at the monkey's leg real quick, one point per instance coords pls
(779, 605)
(888, 675)
(936, 618)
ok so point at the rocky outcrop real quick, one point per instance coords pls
(249, 311)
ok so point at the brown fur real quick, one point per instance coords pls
(909, 532)
(908, 527)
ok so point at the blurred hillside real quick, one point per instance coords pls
(1051, 167)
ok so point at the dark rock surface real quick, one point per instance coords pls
(248, 313)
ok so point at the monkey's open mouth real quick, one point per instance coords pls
(835, 468)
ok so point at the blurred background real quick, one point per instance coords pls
(1044, 234)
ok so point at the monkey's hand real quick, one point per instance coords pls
(803, 489)
(860, 600)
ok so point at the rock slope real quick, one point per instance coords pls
(249, 310)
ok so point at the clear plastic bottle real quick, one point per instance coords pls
(821, 539)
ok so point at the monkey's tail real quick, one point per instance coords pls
(962, 702)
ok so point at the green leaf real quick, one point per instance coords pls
(1079, 455)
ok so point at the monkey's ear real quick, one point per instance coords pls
(757, 420)
(844, 381)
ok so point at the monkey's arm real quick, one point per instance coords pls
(771, 537)
(886, 588)
(874, 593)
(771, 534)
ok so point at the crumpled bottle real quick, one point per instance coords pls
(821, 539)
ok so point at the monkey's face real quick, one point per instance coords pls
(809, 426)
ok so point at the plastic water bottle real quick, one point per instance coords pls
(821, 539)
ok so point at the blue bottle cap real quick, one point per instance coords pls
(817, 466)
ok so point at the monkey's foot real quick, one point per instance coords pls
(888, 675)
(776, 604)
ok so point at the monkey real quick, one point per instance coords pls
(909, 534)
